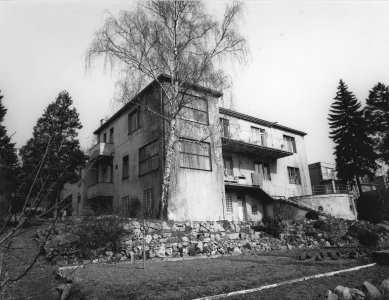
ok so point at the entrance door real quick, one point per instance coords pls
(241, 208)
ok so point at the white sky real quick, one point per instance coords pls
(299, 51)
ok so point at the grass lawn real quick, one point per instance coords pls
(205, 277)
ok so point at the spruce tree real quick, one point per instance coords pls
(377, 118)
(8, 166)
(354, 149)
(52, 156)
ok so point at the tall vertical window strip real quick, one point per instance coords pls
(133, 120)
(147, 201)
(195, 155)
(290, 144)
(195, 109)
(229, 208)
(225, 127)
(294, 175)
(228, 167)
(148, 158)
(125, 167)
(111, 135)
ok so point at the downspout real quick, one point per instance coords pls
(163, 150)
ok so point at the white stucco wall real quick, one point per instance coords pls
(337, 205)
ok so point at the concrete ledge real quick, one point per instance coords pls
(381, 257)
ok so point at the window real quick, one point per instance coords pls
(104, 138)
(258, 136)
(225, 127)
(290, 144)
(125, 167)
(228, 168)
(148, 158)
(195, 110)
(195, 155)
(133, 120)
(147, 201)
(229, 208)
(263, 169)
(294, 175)
(111, 135)
(254, 209)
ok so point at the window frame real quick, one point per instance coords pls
(290, 139)
(225, 158)
(193, 154)
(229, 204)
(111, 132)
(136, 112)
(148, 158)
(262, 135)
(292, 173)
(126, 203)
(254, 211)
(148, 202)
(105, 137)
(225, 127)
(126, 171)
(196, 109)
(262, 164)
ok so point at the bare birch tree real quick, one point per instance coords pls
(179, 39)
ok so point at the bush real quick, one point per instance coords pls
(367, 237)
(312, 215)
(273, 226)
(100, 234)
(370, 208)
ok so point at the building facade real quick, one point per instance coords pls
(226, 165)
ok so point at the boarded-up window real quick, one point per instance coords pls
(148, 158)
(147, 201)
(229, 208)
(126, 204)
(195, 155)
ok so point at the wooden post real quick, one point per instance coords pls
(144, 244)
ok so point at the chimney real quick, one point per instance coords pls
(101, 122)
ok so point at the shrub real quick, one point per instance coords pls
(367, 237)
(312, 215)
(273, 226)
(370, 208)
(100, 233)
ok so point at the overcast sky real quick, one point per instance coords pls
(299, 52)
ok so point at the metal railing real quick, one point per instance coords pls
(265, 139)
(330, 189)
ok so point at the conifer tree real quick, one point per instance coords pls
(52, 156)
(376, 114)
(354, 150)
(8, 165)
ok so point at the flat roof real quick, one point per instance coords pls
(241, 116)
(161, 77)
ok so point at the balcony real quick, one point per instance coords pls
(238, 140)
(100, 189)
(101, 149)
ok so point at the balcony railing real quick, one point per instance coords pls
(264, 142)
(104, 149)
(100, 189)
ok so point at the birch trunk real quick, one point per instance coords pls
(167, 168)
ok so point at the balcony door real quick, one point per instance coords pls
(258, 136)
(228, 168)
(241, 208)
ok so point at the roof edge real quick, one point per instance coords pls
(241, 116)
